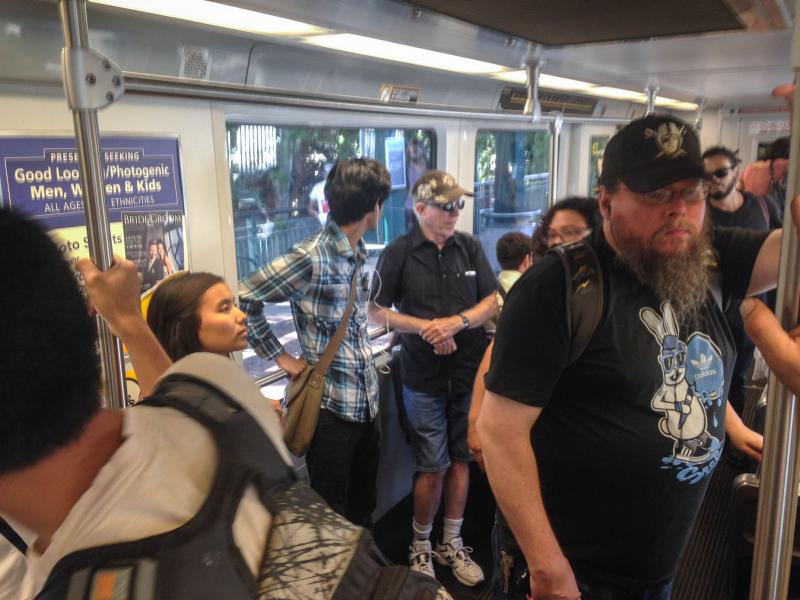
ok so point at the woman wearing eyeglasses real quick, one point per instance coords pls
(569, 220)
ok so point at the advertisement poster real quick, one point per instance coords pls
(143, 186)
(154, 241)
(598, 147)
(396, 161)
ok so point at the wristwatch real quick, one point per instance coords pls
(464, 320)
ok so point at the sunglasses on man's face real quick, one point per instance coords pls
(721, 173)
(449, 206)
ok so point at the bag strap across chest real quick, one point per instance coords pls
(199, 559)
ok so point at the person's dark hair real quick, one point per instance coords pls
(731, 155)
(49, 368)
(174, 312)
(585, 206)
(779, 149)
(354, 186)
(511, 249)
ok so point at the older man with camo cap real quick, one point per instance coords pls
(442, 287)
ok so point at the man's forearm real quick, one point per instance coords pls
(147, 356)
(482, 311)
(396, 321)
(479, 388)
(514, 478)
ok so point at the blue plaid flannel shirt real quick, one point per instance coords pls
(314, 276)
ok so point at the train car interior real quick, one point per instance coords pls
(252, 102)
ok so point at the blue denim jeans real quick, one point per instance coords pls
(438, 424)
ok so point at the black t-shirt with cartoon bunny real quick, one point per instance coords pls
(630, 433)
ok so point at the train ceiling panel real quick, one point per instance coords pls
(734, 67)
(566, 22)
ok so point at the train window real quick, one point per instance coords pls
(511, 182)
(277, 186)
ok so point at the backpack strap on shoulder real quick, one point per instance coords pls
(501, 290)
(584, 293)
(762, 204)
(715, 281)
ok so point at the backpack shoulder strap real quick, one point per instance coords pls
(762, 204)
(501, 290)
(715, 281)
(584, 290)
(246, 456)
(12, 536)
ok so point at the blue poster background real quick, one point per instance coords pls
(39, 176)
(396, 161)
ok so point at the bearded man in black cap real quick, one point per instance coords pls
(600, 463)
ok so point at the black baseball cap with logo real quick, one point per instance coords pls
(651, 153)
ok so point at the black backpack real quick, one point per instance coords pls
(311, 551)
(584, 290)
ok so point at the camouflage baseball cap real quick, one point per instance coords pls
(439, 187)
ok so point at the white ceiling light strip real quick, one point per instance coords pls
(218, 15)
(376, 48)
(231, 17)
(583, 87)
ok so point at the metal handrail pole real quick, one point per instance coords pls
(555, 148)
(652, 92)
(777, 500)
(87, 136)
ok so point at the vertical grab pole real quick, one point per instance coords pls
(777, 499)
(87, 135)
(532, 105)
(555, 147)
(652, 92)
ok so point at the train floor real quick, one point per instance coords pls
(704, 571)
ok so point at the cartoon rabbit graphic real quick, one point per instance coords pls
(684, 414)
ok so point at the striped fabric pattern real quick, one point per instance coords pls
(314, 276)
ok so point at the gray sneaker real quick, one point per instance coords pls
(457, 555)
(420, 557)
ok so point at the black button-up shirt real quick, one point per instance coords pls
(422, 281)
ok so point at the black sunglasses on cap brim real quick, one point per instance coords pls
(449, 206)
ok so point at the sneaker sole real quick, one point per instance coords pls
(443, 562)
(465, 582)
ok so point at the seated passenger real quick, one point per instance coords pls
(82, 478)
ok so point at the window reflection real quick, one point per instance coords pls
(511, 183)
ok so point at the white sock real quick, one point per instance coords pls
(451, 529)
(422, 533)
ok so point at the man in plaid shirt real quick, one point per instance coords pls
(314, 277)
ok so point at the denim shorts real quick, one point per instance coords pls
(438, 424)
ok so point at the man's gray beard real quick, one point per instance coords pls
(680, 278)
